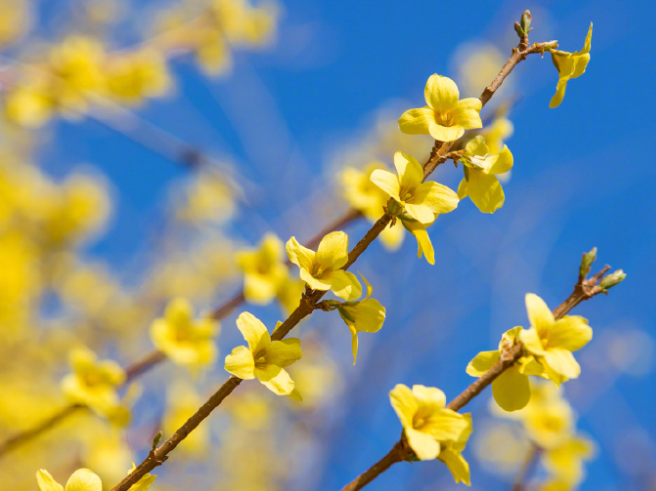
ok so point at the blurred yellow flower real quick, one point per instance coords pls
(481, 168)
(289, 294)
(183, 339)
(264, 270)
(142, 484)
(421, 200)
(264, 359)
(322, 270)
(565, 462)
(80, 480)
(569, 65)
(94, 383)
(445, 117)
(182, 403)
(427, 424)
(132, 77)
(552, 341)
(496, 133)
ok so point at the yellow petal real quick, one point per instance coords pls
(386, 181)
(539, 314)
(423, 444)
(531, 341)
(441, 93)
(467, 114)
(446, 425)
(240, 363)
(511, 389)
(255, 333)
(570, 333)
(83, 480)
(370, 289)
(439, 198)
(446, 133)
(343, 284)
(404, 403)
(391, 237)
(485, 191)
(369, 315)
(314, 283)
(417, 121)
(503, 162)
(456, 464)
(560, 93)
(424, 245)
(463, 189)
(259, 289)
(477, 146)
(179, 312)
(284, 353)
(410, 172)
(482, 362)
(45, 481)
(333, 251)
(282, 384)
(422, 213)
(563, 362)
(354, 340)
(429, 395)
(299, 255)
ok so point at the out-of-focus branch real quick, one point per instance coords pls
(531, 457)
(509, 356)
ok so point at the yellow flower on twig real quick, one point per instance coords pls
(569, 65)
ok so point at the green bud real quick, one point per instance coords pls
(157, 439)
(525, 23)
(612, 279)
(586, 262)
(518, 30)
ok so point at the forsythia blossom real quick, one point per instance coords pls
(322, 270)
(85, 480)
(184, 340)
(264, 359)
(481, 169)
(94, 383)
(547, 353)
(264, 271)
(366, 315)
(445, 118)
(421, 200)
(569, 65)
(430, 428)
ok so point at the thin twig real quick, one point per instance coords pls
(530, 459)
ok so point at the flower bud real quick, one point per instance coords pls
(612, 279)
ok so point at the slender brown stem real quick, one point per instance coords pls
(508, 358)
(530, 459)
(398, 453)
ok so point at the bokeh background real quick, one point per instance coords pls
(278, 129)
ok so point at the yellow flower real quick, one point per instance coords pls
(552, 341)
(80, 480)
(93, 383)
(366, 315)
(426, 422)
(496, 133)
(263, 270)
(131, 77)
(365, 196)
(511, 389)
(182, 402)
(421, 200)
(30, 104)
(184, 340)
(569, 65)
(322, 270)
(445, 118)
(264, 359)
(565, 461)
(289, 294)
(480, 182)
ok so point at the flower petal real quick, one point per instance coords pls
(467, 114)
(429, 395)
(531, 341)
(439, 198)
(404, 403)
(485, 191)
(83, 480)
(45, 482)
(386, 181)
(422, 213)
(446, 425)
(410, 172)
(511, 389)
(240, 363)
(424, 245)
(255, 333)
(332, 252)
(463, 189)
(423, 444)
(456, 464)
(563, 362)
(313, 282)
(284, 353)
(417, 121)
(503, 163)
(482, 362)
(570, 333)
(343, 284)
(282, 384)
(299, 255)
(446, 133)
(560, 92)
(441, 93)
(539, 314)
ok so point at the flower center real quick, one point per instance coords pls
(260, 360)
(445, 119)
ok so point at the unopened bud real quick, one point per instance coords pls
(526, 21)
(518, 30)
(156, 440)
(549, 45)
(586, 262)
(612, 279)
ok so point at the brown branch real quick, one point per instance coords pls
(530, 459)
(398, 453)
(509, 356)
